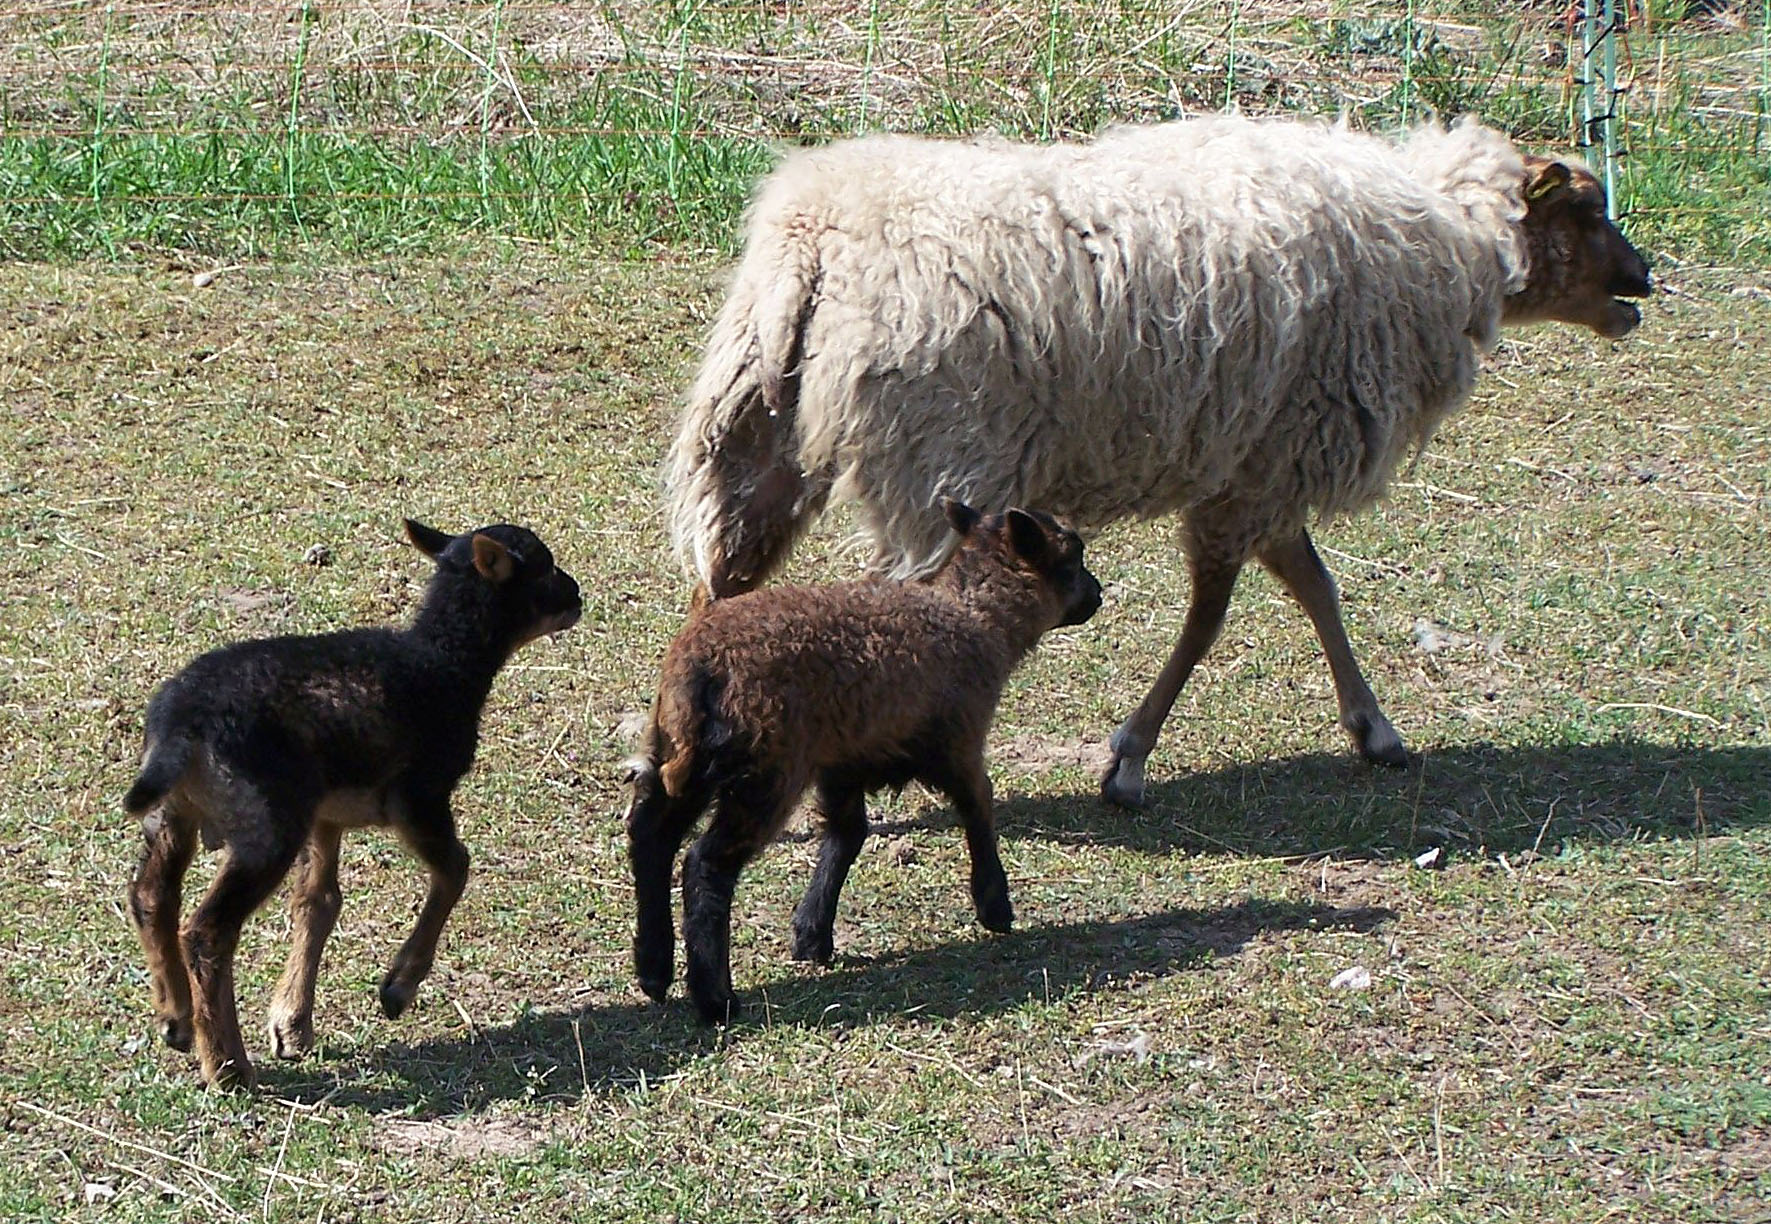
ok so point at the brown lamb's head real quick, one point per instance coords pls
(1581, 265)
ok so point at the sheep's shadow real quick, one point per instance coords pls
(1471, 798)
(567, 1055)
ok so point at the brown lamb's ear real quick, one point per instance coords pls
(1542, 178)
(1028, 536)
(429, 540)
(493, 559)
(961, 516)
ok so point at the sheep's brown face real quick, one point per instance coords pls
(1581, 264)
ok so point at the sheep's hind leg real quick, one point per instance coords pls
(247, 876)
(747, 816)
(154, 897)
(1294, 561)
(656, 827)
(842, 805)
(313, 912)
(1214, 578)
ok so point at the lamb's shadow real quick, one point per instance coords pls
(563, 1056)
(1498, 800)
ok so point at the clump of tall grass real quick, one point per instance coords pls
(380, 126)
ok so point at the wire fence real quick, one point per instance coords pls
(242, 126)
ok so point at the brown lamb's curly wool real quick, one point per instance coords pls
(849, 687)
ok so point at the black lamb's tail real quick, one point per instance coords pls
(160, 772)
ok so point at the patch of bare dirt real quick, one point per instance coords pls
(462, 1138)
(1034, 753)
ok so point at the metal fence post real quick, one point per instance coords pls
(1598, 74)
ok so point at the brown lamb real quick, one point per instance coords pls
(850, 688)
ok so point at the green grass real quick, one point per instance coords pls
(415, 210)
(1566, 1022)
(372, 127)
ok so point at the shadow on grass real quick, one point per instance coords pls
(564, 1056)
(1478, 797)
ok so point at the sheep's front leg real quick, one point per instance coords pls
(313, 912)
(1294, 561)
(842, 807)
(1214, 578)
(430, 831)
(969, 788)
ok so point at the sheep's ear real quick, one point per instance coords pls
(1543, 178)
(429, 540)
(961, 516)
(1028, 536)
(493, 559)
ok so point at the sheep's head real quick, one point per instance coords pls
(1024, 563)
(1581, 265)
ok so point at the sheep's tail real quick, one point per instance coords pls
(681, 740)
(162, 766)
(737, 493)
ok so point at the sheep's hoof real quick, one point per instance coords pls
(997, 915)
(990, 900)
(292, 1036)
(719, 1010)
(818, 947)
(1123, 783)
(233, 1075)
(396, 997)
(176, 1031)
(1376, 739)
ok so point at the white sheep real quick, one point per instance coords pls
(1247, 323)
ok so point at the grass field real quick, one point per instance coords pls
(1566, 1021)
(271, 278)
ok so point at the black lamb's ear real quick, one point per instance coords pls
(961, 516)
(429, 540)
(1028, 536)
(492, 559)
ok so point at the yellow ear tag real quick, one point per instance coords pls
(1544, 184)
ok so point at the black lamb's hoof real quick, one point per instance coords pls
(818, 947)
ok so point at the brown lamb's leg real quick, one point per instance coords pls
(969, 787)
(842, 810)
(657, 823)
(313, 911)
(747, 814)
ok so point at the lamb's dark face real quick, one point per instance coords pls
(1581, 265)
(1079, 589)
(542, 597)
(1055, 551)
(528, 595)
